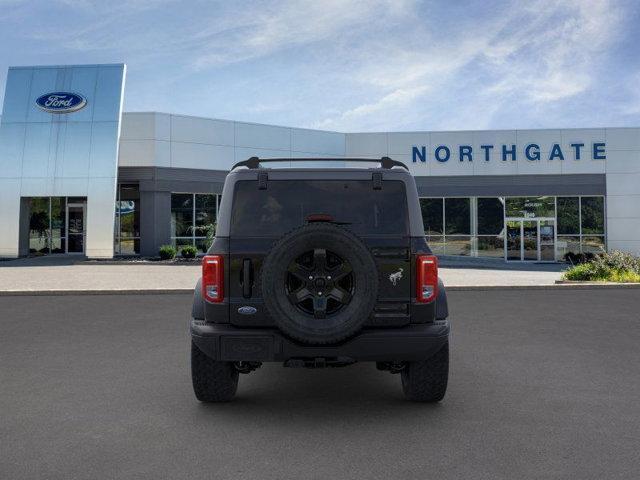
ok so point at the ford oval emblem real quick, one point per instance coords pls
(61, 102)
(246, 310)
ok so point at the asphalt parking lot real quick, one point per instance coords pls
(544, 384)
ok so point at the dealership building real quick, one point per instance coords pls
(80, 176)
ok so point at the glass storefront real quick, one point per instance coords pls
(127, 227)
(192, 215)
(541, 228)
(57, 225)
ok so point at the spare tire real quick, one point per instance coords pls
(319, 283)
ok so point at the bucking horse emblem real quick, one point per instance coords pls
(394, 277)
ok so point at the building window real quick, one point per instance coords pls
(581, 223)
(475, 226)
(530, 207)
(192, 215)
(127, 226)
(490, 227)
(447, 223)
(56, 225)
(592, 215)
(432, 216)
(568, 216)
(40, 227)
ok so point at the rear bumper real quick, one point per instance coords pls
(229, 343)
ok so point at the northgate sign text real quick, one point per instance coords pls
(531, 152)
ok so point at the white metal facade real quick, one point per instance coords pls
(75, 154)
(164, 140)
(61, 155)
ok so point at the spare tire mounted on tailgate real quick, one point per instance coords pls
(319, 283)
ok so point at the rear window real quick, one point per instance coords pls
(287, 204)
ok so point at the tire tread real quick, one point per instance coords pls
(213, 381)
(426, 380)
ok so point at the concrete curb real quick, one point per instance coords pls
(553, 286)
(140, 291)
(452, 288)
(580, 282)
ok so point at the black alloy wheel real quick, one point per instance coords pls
(320, 283)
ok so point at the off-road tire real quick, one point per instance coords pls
(213, 381)
(426, 380)
(299, 325)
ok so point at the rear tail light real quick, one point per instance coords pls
(426, 278)
(213, 278)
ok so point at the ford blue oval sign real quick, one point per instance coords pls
(61, 102)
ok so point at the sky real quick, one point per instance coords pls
(351, 65)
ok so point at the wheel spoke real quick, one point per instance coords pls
(341, 271)
(298, 271)
(319, 259)
(319, 307)
(299, 295)
(340, 295)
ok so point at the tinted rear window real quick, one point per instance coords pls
(287, 204)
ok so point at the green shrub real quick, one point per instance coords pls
(167, 252)
(582, 271)
(617, 260)
(607, 267)
(188, 251)
(624, 277)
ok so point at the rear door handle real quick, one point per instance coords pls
(246, 278)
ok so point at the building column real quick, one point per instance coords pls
(155, 221)
(9, 217)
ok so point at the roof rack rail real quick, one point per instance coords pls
(254, 162)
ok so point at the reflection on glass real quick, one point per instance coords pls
(58, 217)
(530, 207)
(592, 215)
(514, 238)
(129, 246)
(58, 245)
(181, 242)
(75, 234)
(202, 244)
(593, 244)
(432, 215)
(127, 220)
(181, 214)
(568, 244)
(457, 245)
(547, 241)
(436, 244)
(75, 243)
(530, 240)
(457, 214)
(39, 225)
(205, 211)
(490, 216)
(39, 244)
(491, 246)
(568, 216)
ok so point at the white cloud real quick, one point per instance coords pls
(538, 54)
(286, 24)
(352, 64)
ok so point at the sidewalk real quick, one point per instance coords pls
(64, 274)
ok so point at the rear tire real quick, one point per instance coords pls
(213, 381)
(426, 380)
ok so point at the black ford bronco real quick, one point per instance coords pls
(319, 267)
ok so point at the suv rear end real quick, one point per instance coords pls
(317, 267)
